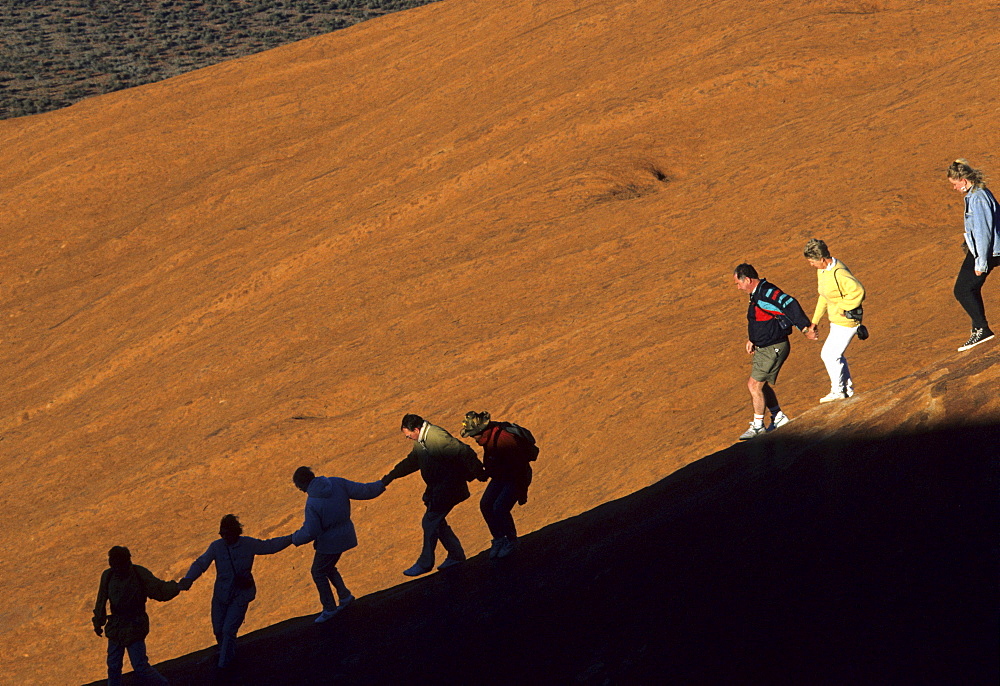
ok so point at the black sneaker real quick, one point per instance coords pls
(978, 336)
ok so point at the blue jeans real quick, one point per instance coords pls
(496, 504)
(324, 573)
(140, 663)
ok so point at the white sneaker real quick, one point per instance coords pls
(326, 615)
(752, 432)
(833, 395)
(779, 421)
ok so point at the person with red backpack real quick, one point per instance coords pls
(508, 450)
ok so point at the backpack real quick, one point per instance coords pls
(524, 439)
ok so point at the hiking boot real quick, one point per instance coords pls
(450, 562)
(978, 336)
(326, 615)
(416, 570)
(507, 546)
(833, 395)
(495, 546)
(779, 421)
(752, 432)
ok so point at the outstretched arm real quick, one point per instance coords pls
(271, 545)
(406, 466)
(360, 491)
(311, 527)
(199, 566)
(157, 589)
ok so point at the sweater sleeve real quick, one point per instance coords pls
(270, 546)
(406, 466)
(157, 589)
(820, 309)
(791, 309)
(359, 491)
(199, 566)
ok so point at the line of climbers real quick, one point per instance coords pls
(446, 464)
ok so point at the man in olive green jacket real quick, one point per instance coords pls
(446, 465)
(128, 586)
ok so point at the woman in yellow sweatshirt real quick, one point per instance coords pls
(839, 293)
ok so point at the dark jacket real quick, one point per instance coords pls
(328, 513)
(505, 459)
(771, 315)
(128, 593)
(446, 465)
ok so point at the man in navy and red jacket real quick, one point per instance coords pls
(771, 315)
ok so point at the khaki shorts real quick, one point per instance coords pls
(767, 362)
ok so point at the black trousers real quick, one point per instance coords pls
(969, 291)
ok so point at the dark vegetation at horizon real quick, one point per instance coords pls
(54, 53)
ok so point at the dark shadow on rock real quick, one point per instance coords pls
(849, 560)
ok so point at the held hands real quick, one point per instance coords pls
(185, 584)
(812, 332)
(386, 480)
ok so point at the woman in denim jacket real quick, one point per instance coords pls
(981, 246)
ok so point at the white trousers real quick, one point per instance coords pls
(833, 357)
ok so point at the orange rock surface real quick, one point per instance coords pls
(527, 207)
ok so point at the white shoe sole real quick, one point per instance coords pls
(970, 347)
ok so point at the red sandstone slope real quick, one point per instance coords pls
(528, 208)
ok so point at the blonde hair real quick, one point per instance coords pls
(961, 169)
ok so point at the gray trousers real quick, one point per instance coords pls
(436, 529)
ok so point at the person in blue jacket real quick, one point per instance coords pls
(235, 588)
(981, 245)
(328, 525)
